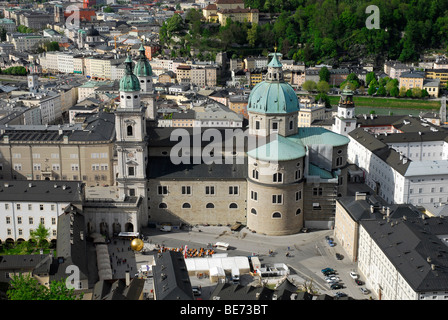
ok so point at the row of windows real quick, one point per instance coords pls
(187, 205)
(278, 176)
(187, 190)
(420, 190)
(30, 206)
(275, 214)
(20, 232)
(30, 220)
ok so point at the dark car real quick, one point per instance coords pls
(335, 286)
(339, 256)
(340, 294)
(359, 282)
(327, 270)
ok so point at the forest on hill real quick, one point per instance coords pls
(315, 31)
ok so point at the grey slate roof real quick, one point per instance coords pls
(416, 249)
(41, 190)
(380, 149)
(170, 276)
(162, 168)
(360, 209)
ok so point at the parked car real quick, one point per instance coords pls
(339, 256)
(359, 282)
(335, 286)
(196, 291)
(327, 270)
(364, 290)
(332, 279)
(354, 275)
(327, 238)
(340, 294)
(329, 273)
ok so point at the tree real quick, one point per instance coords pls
(323, 96)
(252, 35)
(372, 90)
(416, 92)
(324, 74)
(309, 85)
(394, 92)
(381, 91)
(40, 235)
(369, 77)
(28, 288)
(409, 93)
(323, 86)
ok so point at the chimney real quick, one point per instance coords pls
(128, 278)
(372, 209)
(360, 196)
(387, 211)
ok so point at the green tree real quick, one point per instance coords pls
(324, 74)
(381, 91)
(372, 90)
(40, 235)
(409, 93)
(369, 77)
(309, 85)
(252, 35)
(28, 288)
(323, 86)
(108, 9)
(416, 92)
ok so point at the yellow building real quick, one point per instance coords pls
(233, 9)
(412, 79)
(441, 74)
(240, 15)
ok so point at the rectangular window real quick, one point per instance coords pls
(162, 190)
(30, 220)
(254, 195)
(131, 171)
(277, 199)
(233, 190)
(209, 190)
(186, 190)
(53, 221)
(298, 195)
(317, 191)
(42, 220)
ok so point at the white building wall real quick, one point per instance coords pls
(18, 218)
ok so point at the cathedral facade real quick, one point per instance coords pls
(288, 179)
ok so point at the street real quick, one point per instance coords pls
(308, 254)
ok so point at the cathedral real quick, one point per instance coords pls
(289, 179)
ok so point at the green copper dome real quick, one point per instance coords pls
(142, 67)
(274, 95)
(129, 82)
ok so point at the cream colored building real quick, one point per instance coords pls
(69, 152)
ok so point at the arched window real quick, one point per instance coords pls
(186, 205)
(276, 215)
(129, 130)
(291, 124)
(253, 211)
(299, 211)
(233, 206)
(209, 205)
(162, 205)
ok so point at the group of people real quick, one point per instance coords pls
(189, 252)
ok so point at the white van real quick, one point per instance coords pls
(166, 228)
(235, 276)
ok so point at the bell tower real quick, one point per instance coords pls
(131, 144)
(345, 120)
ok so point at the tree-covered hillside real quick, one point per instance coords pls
(313, 30)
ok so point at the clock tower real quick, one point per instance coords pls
(131, 144)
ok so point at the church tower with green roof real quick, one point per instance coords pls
(143, 71)
(273, 105)
(131, 141)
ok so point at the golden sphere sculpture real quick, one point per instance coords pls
(137, 244)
